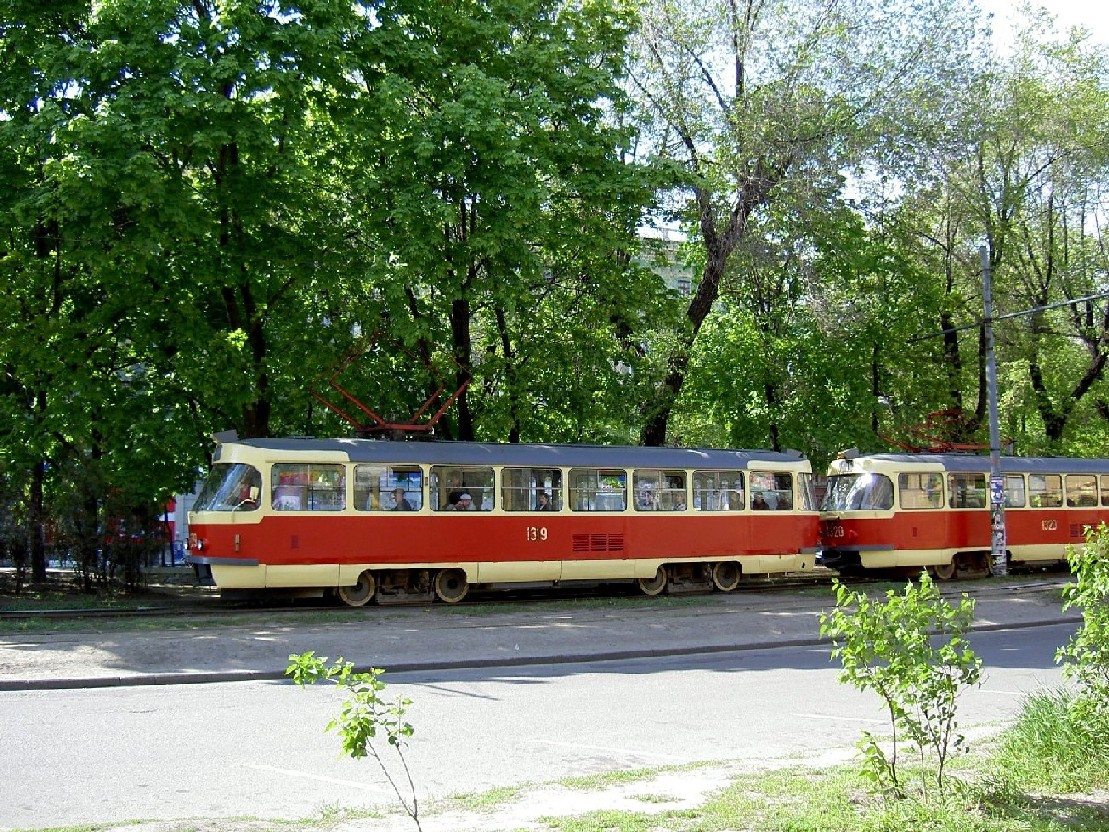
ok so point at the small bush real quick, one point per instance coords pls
(363, 717)
(1086, 656)
(912, 651)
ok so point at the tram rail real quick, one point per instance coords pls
(211, 606)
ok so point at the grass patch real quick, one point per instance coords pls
(487, 800)
(837, 800)
(1051, 748)
(62, 594)
(590, 782)
(623, 777)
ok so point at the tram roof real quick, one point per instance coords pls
(439, 452)
(1008, 464)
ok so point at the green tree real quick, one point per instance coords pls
(1018, 170)
(162, 202)
(763, 103)
(811, 349)
(487, 158)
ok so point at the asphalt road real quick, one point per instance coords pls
(258, 748)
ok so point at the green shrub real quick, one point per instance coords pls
(912, 651)
(362, 717)
(1086, 656)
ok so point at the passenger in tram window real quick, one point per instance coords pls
(784, 501)
(646, 500)
(400, 502)
(737, 498)
(465, 503)
(543, 502)
(758, 503)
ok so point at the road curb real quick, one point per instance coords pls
(211, 677)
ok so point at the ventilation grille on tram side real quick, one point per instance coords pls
(598, 542)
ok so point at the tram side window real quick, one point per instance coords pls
(1045, 490)
(806, 492)
(230, 487)
(659, 490)
(598, 489)
(376, 488)
(308, 487)
(718, 491)
(461, 488)
(1081, 490)
(531, 489)
(1014, 491)
(966, 490)
(919, 491)
(771, 491)
(1105, 490)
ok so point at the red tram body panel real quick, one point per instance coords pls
(896, 511)
(369, 518)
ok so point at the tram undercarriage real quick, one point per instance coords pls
(423, 586)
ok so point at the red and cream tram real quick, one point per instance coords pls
(374, 520)
(896, 511)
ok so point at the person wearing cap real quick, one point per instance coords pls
(465, 502)
(400, 502)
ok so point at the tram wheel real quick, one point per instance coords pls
(945, 571)
(726, 575)
(361, 593)
(653, 586)
(451, 585)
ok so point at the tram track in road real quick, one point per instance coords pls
(211, 607)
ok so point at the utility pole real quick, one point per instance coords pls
(999, 564)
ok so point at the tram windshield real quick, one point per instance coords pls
(858, 492)
(230, 487)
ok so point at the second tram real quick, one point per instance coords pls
(908, 511)
(379, 520)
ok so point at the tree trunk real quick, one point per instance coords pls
(875, 389)
(36, 522)
(953, 362)
(509, 376)
(773, 399)
(1055, 421)
(719, 247)
(460, 340)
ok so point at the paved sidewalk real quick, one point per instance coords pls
(437, 636)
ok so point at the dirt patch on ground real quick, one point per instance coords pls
(526, 808)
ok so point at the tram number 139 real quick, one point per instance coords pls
(534, 533)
